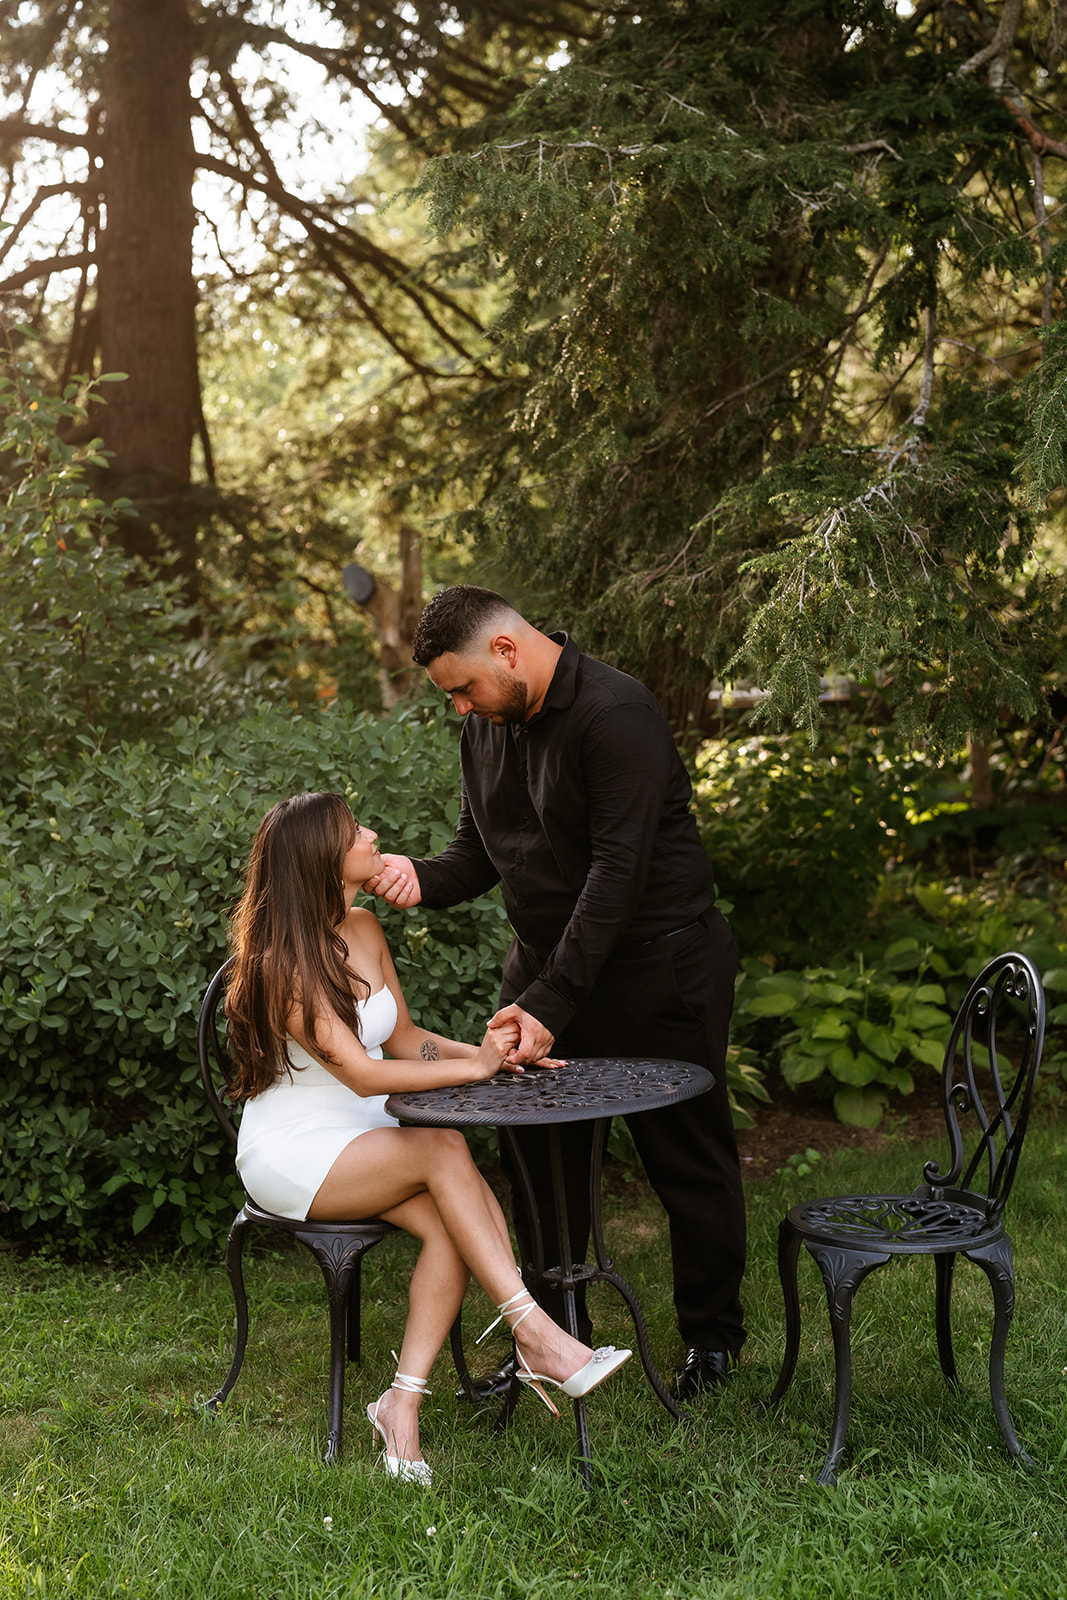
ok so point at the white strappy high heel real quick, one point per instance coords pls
(601, 1364)
(419, 1472)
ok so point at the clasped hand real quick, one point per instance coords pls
(501, 1049)
(529, 1040)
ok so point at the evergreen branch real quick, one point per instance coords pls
(872, 144)
(999, 47)
(14, 129)
(245, 122)
(1041, 143)
(843, 329)
(51, 33)
(997, 52)
(45, 192)
(562, 144)
(926, 388)
(312, 217)
(82, 330)
(337, 66)
(45, 269)
(1041, 215)
(815, 423)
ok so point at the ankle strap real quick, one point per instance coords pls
(406, 1383)
(410, 1385)
(505, 1308)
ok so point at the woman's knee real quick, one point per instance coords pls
(450, 1148)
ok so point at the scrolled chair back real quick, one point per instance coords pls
(1004, 1011)
(211, 1054)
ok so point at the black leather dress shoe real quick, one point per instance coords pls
(704, 1369)
(491, 1386)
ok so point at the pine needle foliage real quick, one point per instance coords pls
(771, 279)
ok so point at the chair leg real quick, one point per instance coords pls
(843, 1271)
(355, 1291)
(788, 1254)
(996, 1262)
(235, 1244)
(944, 1270)
(338, 1259)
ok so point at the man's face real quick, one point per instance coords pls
(478, 682)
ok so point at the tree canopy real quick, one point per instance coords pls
(781, 347)
(745, 351)
(115, 114)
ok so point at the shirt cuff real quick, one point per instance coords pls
(547, 1005)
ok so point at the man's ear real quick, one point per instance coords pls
(503, 648)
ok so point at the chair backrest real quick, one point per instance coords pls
(215, 1067)
(1004, 1011)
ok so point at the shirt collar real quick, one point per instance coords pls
(562, 690)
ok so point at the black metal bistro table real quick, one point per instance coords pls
(588, 1089)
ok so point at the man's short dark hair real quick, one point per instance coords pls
(454, 619)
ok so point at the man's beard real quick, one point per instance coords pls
(514, 698)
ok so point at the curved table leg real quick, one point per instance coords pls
(567, 1284)
(510, 1398)
(567, 1277)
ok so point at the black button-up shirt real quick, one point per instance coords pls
(583, 815)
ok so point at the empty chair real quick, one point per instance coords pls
(338, 1247)
(988, 1078)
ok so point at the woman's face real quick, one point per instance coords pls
(361, 861)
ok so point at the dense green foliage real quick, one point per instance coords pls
(268, 105)
(866, 1029)
(779, 819)
(124, 825)
(770, 274)
(122, 866)
(93, 645)
(858, 933)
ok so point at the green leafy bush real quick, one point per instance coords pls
(122, 867)
(799, 838)
(861, 1029)
(94, 646)
(131, 790)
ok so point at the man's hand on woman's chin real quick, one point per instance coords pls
(397, 883)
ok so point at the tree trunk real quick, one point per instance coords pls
(146, 293)
(981, 774)
(394, 616)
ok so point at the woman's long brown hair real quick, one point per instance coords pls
(286, 941)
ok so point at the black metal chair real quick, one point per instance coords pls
(850, 1235)
(338, 1247)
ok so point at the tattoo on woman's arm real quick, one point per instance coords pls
(429, 1051)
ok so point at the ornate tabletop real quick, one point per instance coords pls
(586, 1089)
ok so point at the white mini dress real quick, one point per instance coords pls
(291, 1134)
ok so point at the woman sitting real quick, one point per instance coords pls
(313, 998)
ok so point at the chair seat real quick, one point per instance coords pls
(273, 1219)
(898, 1224)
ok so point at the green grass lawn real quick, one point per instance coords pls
(112, 1483)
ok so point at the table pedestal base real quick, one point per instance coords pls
(567, 1279)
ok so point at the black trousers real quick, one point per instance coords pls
(671, 999)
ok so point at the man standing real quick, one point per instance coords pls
(577, 801)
